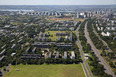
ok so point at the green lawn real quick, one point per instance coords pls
(58, 70)
(53, 36)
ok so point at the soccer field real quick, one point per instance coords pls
(58, 70)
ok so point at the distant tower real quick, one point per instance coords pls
(56, 14)
(77, 15)
(48, 13)
(52, 13)
(60, 14)
(20, 12)
(85, 16)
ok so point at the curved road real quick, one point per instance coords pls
(108, 70)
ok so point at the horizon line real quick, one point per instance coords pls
(57, 5)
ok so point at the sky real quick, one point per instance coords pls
(57, 2)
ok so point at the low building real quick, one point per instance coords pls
(57, 55)
(44, 34)
(50, 54)
(65, 55)
(41, 37)
(44, 39)
(98, 28)
(3, 46)
(86, 55)
(96, 25)
(103, 34)
(19, 40)
(70, 38)
(7, 26)
(65, 45)
(46, 55)
(34, 49)
(114, 33)
(66, 37)
(12, 40)
(102, 28)
(71, 28)
(55, 28)
(59, 38)
(13, 46)
(113, 28)
(2, 51)
(72, 55)
(63, 28)
(47, 44)
(27, 50)
(13, 54)
(114, 38)
(31, 56)
(43, 44)
(1, 58)
(106, 34)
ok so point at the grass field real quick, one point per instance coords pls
(58, 70)
(53, 36)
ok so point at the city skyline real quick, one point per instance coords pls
(52, 38)
(57, 2)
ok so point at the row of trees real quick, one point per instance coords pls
(98, 43)
(98, 69)
(85, 45)
(45, 61)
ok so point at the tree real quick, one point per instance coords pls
(115, 73)
(90, 59)
(4, 69)
(0, 73)
(103, 53)
(111, 55)
(111, 64)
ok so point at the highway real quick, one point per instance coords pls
(84, 64)
(108, 70)
(105, 44)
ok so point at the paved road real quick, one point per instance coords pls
(82, 55)
(108, 70)
(102, 40)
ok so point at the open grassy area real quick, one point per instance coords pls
(58, 70)
(53, 36)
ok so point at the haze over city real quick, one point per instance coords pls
(57, 2)
(57, 38)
